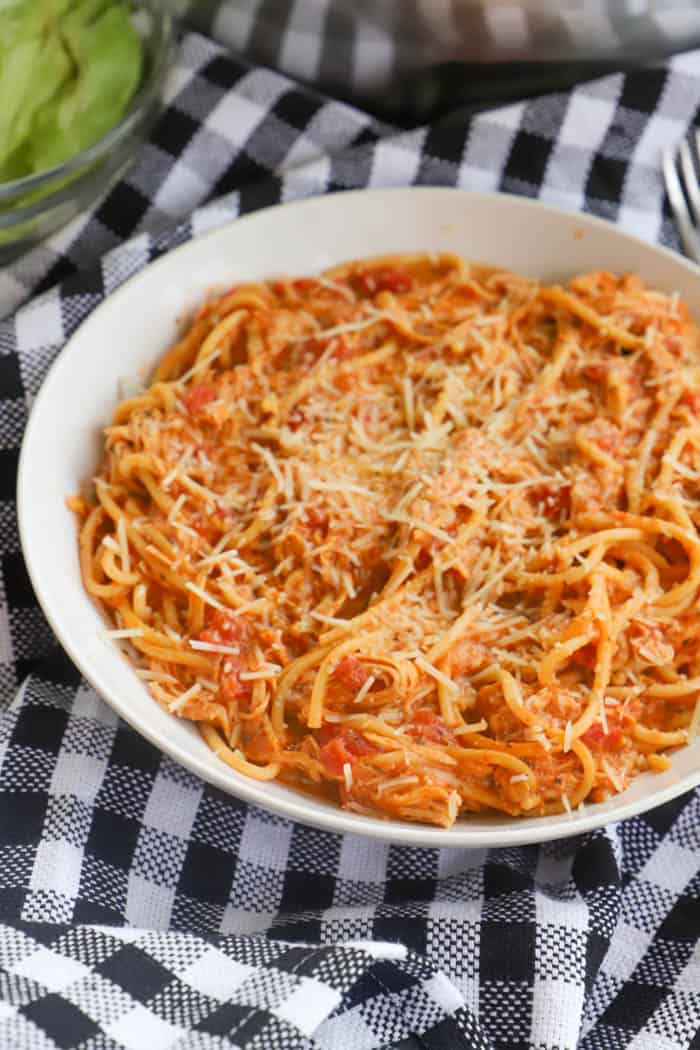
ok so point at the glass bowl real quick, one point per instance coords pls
(34, 206)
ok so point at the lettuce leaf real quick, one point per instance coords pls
(68, 70)
(32, 74)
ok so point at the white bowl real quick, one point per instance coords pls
(129, 331)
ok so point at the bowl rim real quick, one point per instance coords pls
(140, 102)
(518, 831)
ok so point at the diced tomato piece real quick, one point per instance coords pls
(297, 419)
(205, 448)
(615, 739)
(649, 644)
(351, 672)
(599, 740)
(395, 281)
(326, 733)
(691, 398)
(316, 518)
(225, 629)
(345, 745)
(373, 281)
(198, 396)
(204, 527)
(552, 498)
(230, 685)
(595, 371)
(431, 727)
(341, 350)
(586, 656)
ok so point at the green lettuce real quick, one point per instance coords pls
(68, 70)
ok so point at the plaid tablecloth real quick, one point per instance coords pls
(140, 908)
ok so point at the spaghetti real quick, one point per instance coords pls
(418, 536)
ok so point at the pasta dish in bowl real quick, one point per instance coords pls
(426, 497)
(415, 536)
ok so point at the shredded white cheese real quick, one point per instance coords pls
(180, 701)
(199, 366)
(154, 676)
(435, 673)
(364, 689)
(214, 647)
(207, 598)
(263, 673)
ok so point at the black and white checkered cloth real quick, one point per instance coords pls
(140, 908)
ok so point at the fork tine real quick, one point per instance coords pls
(690, 179)
(689, 236)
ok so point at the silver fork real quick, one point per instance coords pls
(683, 189)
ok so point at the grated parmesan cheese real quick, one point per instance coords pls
(214, 647)
(435, 673)
(208, 683)
(271, 671)
(154, 676)
(342, 329)
(180, 701)
(207, 598)
(252, 606)
(413, 523)
(612, 776)
(176, 507)
(272, 464)
(199, 366)
(364, 689)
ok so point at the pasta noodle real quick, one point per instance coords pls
(417, 536)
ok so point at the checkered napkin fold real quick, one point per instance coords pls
(141, 908)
